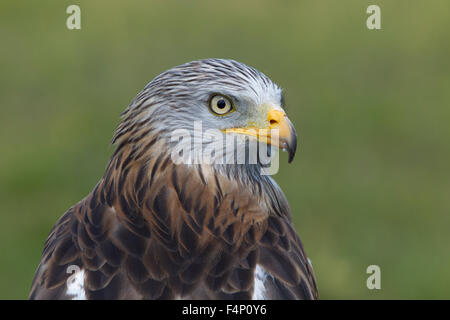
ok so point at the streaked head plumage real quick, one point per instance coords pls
(178, 97)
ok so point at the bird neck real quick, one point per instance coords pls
(133, 170)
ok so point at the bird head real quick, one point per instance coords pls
(225, 97)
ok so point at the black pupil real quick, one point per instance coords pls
(221, 104)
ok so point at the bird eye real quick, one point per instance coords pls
(220, 105)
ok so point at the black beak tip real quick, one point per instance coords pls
(292, 147)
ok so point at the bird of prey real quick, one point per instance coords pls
(155, 228)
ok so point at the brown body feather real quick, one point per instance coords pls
(154, 230)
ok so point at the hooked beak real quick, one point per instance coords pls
(279, 132)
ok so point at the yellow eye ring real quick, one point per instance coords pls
(220, 105)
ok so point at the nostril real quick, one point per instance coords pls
(273, 122)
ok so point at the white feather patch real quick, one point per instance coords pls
(75, 286)
(258, 283)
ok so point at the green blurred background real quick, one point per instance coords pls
(371, 180)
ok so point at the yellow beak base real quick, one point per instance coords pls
(279, 132)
